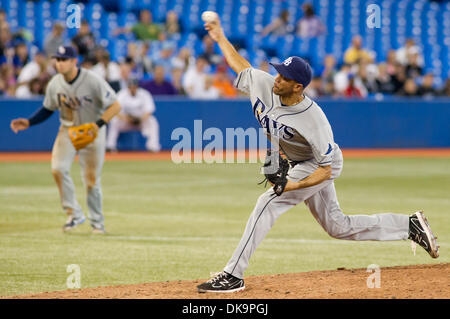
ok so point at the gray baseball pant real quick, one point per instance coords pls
(322, 202)
(91, 161)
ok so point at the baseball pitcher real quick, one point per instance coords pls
(306, 172)
(86, 103)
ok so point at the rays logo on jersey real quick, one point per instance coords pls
(258, 107)
(272, 127)
(67, 106)
(65, 101)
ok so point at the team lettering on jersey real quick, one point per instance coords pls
(65, 101)
(67, 106)
(272, 127)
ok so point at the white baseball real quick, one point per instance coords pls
(209, 16)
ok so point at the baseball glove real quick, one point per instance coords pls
(275, 169)
(83, 134)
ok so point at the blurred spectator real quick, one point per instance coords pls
(404, 54)
(159, 85)
(184, 60)
(279, 26)
(125, 73)
(391, 63)
(172, 25)
(6, 50)
(209, 51)
(32, 89)
(132, 50)
(310, 26)
(165, 55)
(54, 39)
(131, 60)
(177, 80)
(329, 70)
(341, 78)
(108, 70)
(384, 80)
(21, 56)
(328, 88)
(368, 73)
(264, 66)
(38, 68)
(399, 78)
(352, 90)
(2, 86)
(3, 18)
(84, 41)
(87, 64)
(409, 88)
(315, 88)
(342, 83)
(413, 68)
(143, 62)
(355, 52)
(137, 108)
(223, 83)
(446, 89)
(427, 88)
(7, 79)
(195, 77)
(145, 29)
(210, 92)
(24, 35)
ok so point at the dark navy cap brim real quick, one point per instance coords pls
(62, 56)
(283, 70)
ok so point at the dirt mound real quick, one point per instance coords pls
(417, 281)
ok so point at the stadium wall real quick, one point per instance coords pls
(389, 123)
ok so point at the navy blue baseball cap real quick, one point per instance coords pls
(65, 52)
(295, 68)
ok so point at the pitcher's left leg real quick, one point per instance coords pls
(325, 208)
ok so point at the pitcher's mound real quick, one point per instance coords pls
(417, 281)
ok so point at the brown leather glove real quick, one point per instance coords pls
(83, 134)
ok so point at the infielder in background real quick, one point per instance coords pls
(314, 160)
(137, 113)
(86, 103)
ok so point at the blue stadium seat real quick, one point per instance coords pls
(93, 13)
(44, 24)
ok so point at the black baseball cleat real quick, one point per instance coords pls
(420, 233)
(222, 282)
(71, 223)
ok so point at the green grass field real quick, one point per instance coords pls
(178, 222)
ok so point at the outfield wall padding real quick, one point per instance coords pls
(387, 123)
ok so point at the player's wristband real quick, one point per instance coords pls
(100, 123)
(40, 116)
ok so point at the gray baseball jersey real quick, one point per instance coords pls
(302, 130)
(305, 136)
(82, 101)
